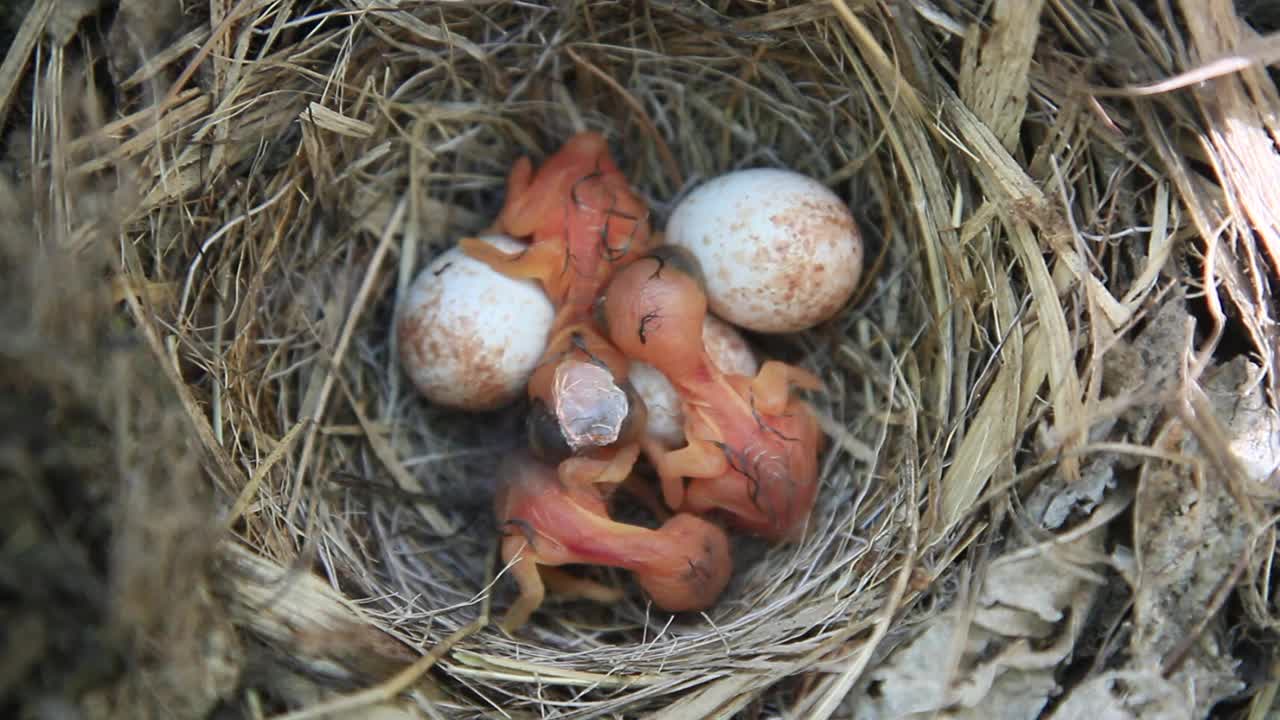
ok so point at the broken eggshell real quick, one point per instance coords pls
(469, 337)
(780, 251)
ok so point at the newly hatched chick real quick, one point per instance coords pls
(751, 448)
(582, 220)
(586, 417)
(683, 565)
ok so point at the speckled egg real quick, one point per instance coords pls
(780, 251)
(470, 337)
(728, 350)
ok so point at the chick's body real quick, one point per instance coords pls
(683, 565)
(582, 218)
(751, 449)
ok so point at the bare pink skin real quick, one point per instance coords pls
(683, 565)
(751, 447)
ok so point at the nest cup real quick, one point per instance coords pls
(408, 152)
(279, 188)
(671, 122)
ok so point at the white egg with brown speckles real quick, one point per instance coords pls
(780, 251)
(470, 337)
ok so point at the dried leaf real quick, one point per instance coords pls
(1236, 391)
(990, 667)
(1137, 695)
(1187, 538)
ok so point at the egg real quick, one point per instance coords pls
(727, 349)
(780, 251)
(470, 337)
(665, 421)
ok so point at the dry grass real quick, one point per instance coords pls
(1034, 177)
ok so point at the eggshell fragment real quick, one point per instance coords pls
(590, 406)
(780, 251)
(470, 337)
(728, 350)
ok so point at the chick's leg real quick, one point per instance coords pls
(606, 474)
(698, 459)
(528, 578)
(568, 586)
(771, 388)
(541, 261)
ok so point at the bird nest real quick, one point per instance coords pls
(1064, 321)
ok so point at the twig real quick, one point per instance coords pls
(250, 489)
(242, 9)
(222, 231)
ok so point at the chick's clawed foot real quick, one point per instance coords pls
(528, 580)
(771, 387)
